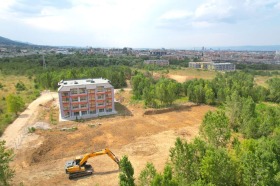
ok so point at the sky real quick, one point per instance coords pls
(142, 23)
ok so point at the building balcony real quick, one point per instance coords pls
(100, 106)
(84, 108)
(100, 100)
(78, 95)
(100, 93)
(79, 102)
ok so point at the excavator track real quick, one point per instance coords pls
(87, 172)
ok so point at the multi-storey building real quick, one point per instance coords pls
(85, 98)
(160, 62)
(213, 66)
(223, 66)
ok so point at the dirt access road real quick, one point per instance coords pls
(16, 134)
(144, 138)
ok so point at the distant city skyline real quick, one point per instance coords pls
(142, 24)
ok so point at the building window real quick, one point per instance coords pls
(92, 105)
(83, 98)
(92, 112)
(108, 110)
(75, 100)
(100, 97)
(101, 110)
(84, 106)
(76, 113)
(84, 112)
(75, 106)
(66, 108)
(65, 100)
(65, 94)
(74, 91)
(91, 98)
(100, 89)
(101, 104)
(82, 90)
(91, 90)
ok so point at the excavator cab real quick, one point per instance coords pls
(78, 167)
(78, 159)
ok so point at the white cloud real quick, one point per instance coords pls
(215, 11)
(4, 8)
(201, 24)
(134, 23)
(176, 14)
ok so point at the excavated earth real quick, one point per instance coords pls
(142, 137)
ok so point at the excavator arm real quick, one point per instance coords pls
(98, 153)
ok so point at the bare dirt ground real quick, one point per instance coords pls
(144, 138)
(16, 133)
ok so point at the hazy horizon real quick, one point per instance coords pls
(142, 24)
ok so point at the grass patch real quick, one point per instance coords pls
(31, 129)
(10, 85)
(181, 100)
(262, 80)
(72, 129)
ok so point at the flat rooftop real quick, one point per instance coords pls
(83, 82)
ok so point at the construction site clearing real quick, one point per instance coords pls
(144, 135)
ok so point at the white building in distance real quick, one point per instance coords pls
(212, 66)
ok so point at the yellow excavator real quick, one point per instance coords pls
(79, 167)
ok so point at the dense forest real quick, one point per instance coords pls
(238, 143)
(33, 64)
(165, 91)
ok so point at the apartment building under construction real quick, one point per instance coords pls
(85, 98)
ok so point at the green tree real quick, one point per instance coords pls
(20, 86)
(215, 128)
(233, 107)
(147, 175)
(6, 156)
(165, 91)
(166, 179)
(209, 95)
(186, 159)
(274, 87)
(149, 96)
(14, 103)
(218, 168)
(126, 172)
(258, 162)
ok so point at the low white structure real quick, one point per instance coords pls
(160, 62)
(213, 66)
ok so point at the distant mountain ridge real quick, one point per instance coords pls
(8, 42)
